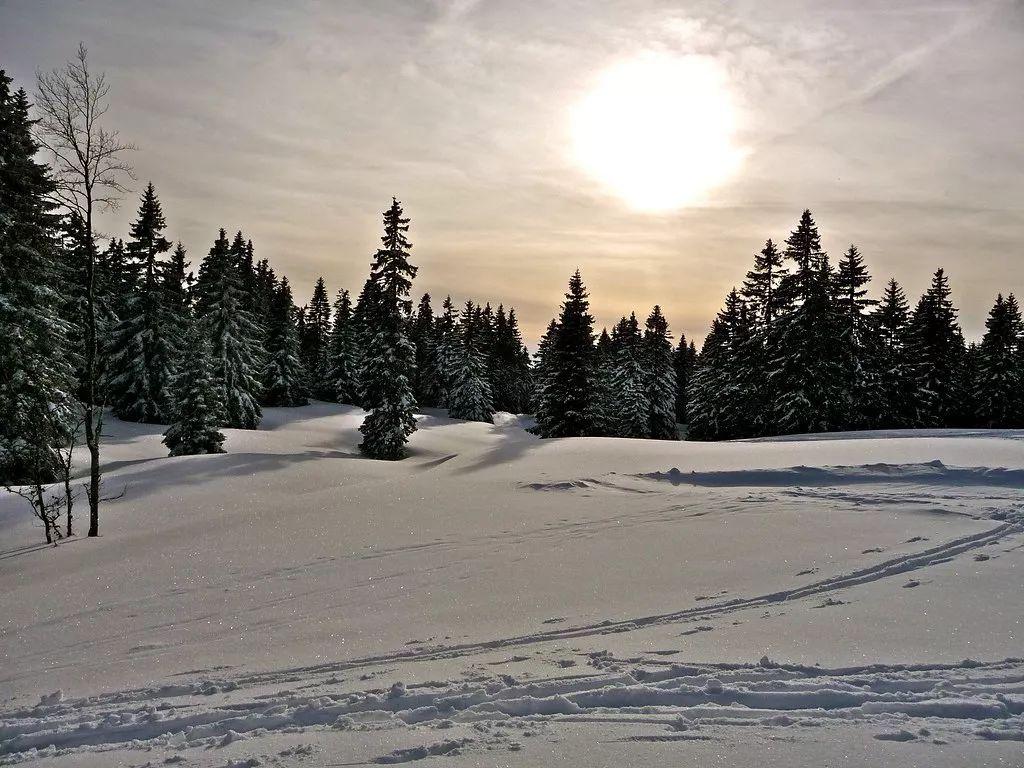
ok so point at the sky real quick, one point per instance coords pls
(897, 124)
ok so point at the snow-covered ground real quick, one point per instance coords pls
(496, 599)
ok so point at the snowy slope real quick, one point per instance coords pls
(496, 599)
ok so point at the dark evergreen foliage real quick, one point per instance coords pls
(36, 373)
(235, 337)
(566, 401)
(284, 378)
(142, 350)
(389, 359)
(198, 408)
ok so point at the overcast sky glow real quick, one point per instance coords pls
(898, 124)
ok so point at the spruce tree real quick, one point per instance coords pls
(761, 289)
(661, 373)
(937, 349)
(198, 407)
(446, 351)
(806, 374)
(142, 349)
(997, 389)
(36, 373)
(684, 358)
(235, 337)
(470, 396)
(602, 414)
(566, 403)
(630, 381)
(314, 341)
(519, 375)
(283, 373)
(855, 340)
(422, 333)
(389, 366)
(718, 405)
(341, 352)
(542, 371)
(892, 364)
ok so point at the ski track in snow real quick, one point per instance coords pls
(903, 702)
(939, 703)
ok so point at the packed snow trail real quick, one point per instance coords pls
(931, 703)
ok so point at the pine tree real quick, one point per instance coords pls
(446, 351)
(234, 335)
(198, 407)
(661, 373)
(602, 414)
(241, 258)
(283, 373)
(341, 351)
(718, 402)
(997, 387)
(36, 373)
(389, 366)
(937, 349)
(142, 349)
(422, 333)
(806, 373)
(264, 291)
(567, 398)
(470, 397)
(761, 289)
(314, 340)
(630, 381)
(542, 370)
(519, 385)
(509, 364)
(891, 361)
(683, 360)
(855, 340)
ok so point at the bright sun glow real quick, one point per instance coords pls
(658, 130)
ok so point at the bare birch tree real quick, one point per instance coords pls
(90, 173)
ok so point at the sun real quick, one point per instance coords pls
(658, 131)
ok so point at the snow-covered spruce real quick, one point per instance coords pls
(284, 378)
(389, 358)
(198, 404)
(234, 335)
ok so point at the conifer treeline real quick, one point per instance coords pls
(263, 350)
(629, 383)
(802, 347)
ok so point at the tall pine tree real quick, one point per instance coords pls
(143, 347)
(341, 352)
(235, 337)
(566, 400)
(283, 373)
(389, 364)
(661, 377)
(36, 374)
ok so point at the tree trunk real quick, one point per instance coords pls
(92, 422)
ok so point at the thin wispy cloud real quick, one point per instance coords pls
(298, 122)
